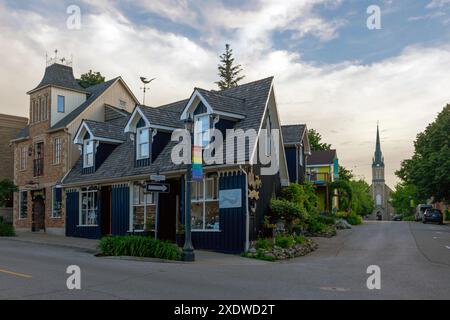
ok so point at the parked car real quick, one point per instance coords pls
(420, 210)
(398, 217)
(433, 215)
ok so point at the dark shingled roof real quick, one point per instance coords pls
(221, 102)
(23, 133)
(321, 157)
(162, 117)
(61, 76)
(106, 130)
(93, 93)
(120, 164)
(293, 134)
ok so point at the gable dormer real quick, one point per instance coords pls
(97, 141)
(151, 129)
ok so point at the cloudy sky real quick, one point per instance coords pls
(331, 72)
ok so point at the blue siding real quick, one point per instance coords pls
(291, 160)
(231, 238)
(72, 219)
(120, 209)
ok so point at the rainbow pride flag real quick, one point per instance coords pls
(197, 163)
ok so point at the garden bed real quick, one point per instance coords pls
(281, 248)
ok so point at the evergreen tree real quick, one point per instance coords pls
(90, 79)
(228, 72)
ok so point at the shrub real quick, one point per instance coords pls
(342, 215)
(315, 226)
(285, 241)
(354, 219)
(263, 243)
(409, 218)
(262, 256)
(300, 239)
(287, 210)
(326, 220)
(137, 246)
(6, 230)
(303, 195)
(447, 215)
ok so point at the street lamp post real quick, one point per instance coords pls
(188, 248)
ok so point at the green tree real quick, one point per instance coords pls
(404, 197)
(315, 141)
(361, 202)
(345, 174)
(428, 169)
(90, 79)
(228, 72)
(7, 188)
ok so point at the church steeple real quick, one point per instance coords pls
(378, 160)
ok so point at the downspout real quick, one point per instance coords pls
(247, 215)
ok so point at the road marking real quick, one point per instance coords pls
(22, 275)
(334, 289)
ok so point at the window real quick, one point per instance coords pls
(202, 130)
(88, 207)
(88, 154)
(122, 104)
(61, 104)
(39, 159)
(57, 150)
(205, 204)
(23, 204)
(143, 144)
(378, 200)
(57, 202)
(23, 158)
(144, 210)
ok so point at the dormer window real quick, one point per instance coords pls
(142, 144)
(61, 104)
(88, 154)
(201, 130)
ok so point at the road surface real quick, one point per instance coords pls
(414, 260)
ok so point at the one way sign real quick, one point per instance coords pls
(158, 187)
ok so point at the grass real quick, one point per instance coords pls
(136, 246)
(6, 230)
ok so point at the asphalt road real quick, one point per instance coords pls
(414, 261)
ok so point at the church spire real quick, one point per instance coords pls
(378, 156)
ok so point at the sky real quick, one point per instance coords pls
(331, 71)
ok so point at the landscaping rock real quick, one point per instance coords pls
(342, 224)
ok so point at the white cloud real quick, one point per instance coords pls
(437, 4)
(342, 101)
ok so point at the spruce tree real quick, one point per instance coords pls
(228, 72)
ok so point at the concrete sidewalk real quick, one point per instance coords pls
(86, 245)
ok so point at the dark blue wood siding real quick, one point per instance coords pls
(72, 218)
(231, 238)
(291, 159)
(120, 209)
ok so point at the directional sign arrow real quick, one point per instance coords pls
(158, 187)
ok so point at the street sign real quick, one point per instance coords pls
(157, 187)
(157, 177)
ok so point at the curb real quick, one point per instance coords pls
(80, 248)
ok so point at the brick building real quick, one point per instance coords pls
(43, 150)
(9, 128)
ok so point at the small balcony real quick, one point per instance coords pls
(38, 167)
(319, 178)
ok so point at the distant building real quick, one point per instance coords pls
(322, 169)
(9, 128)
(296, 149)
(381, 193)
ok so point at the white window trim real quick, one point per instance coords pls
(145, 205)
(53, 204)
(81, 208)
(85, 165)
(201, 133)
(268, 150)
(204, 201)
(138, 143)
(57, 150)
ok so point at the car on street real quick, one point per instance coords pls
(398, 217)
(433, 215)
(420, 210)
